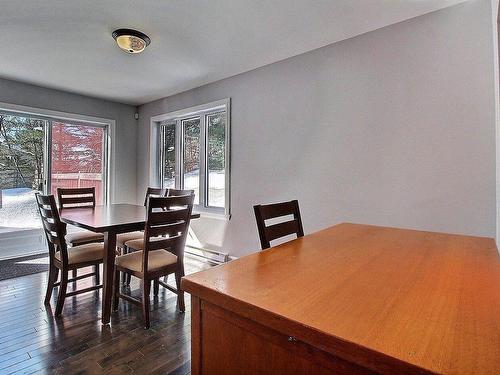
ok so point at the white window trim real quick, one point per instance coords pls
(57, 115)
(155, 135)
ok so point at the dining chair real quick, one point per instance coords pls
(137, 243)
(63, 258)
(71, 198)
(281, 229)
(122, 238)
(161, 253)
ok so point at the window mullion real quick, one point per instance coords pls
(179, 157)
(203, 164)
(105, 169)
(48, 157)
(162, 156)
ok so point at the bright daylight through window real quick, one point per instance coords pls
(40, 154)
(194, 154)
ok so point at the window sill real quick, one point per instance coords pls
(212, 215)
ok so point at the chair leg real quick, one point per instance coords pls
(180, 294)
(146, 289)
(116, 290)
(126, 276)
(74, 274)
(156, 288)
(50, 283)
(97, 277)
(123, 275)
(62, 292)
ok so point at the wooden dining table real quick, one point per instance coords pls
(351, 299)
(110, 220)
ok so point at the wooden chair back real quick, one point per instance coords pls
(279, 230)
(178, 192)
(54, 229)
(167, 225)
(154, 191)
(76, 197)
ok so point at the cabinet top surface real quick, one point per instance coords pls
(427, 299)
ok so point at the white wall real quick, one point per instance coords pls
(125, 144)
(494, 20)
(395, 127)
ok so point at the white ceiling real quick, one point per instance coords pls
(68, 45)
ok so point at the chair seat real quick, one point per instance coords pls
(137, 244)
(158, 259)
(79, 238)
(122, 238)
(84, 253)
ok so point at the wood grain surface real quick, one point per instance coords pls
(390, 300)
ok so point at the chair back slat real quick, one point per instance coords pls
(51, 227)
(279, 230)
(168, 243)
(174, 215)
(178, 192)
(81, 201)
(76, 197)
(173, 201)
(273, 232)
(44, 200)
(167, 225)
(46, 213)
(271, 211)
(77, 191)
(54, 229)
(154, 191)
(167, 230)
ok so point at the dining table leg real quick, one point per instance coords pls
(108, 271)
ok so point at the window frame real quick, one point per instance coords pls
(176, 118)
(105, 150)
(50, 116)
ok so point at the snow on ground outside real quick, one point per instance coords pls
(217, 182)
(19, 210)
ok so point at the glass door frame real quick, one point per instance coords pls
(54, 116)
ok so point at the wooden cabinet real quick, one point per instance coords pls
(231, 344)
(351, 299)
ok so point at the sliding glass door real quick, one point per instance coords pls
(78, 157)
(40, 154)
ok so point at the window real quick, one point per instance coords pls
(78, 157)
(194, 154)
(40, 152)
(191, 160)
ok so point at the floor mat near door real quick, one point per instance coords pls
(16, 267)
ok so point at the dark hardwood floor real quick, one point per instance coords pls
(33, 341)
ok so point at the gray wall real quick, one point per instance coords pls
(125, 132)
(394, 127)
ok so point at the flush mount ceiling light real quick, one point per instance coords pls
(131, 41)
